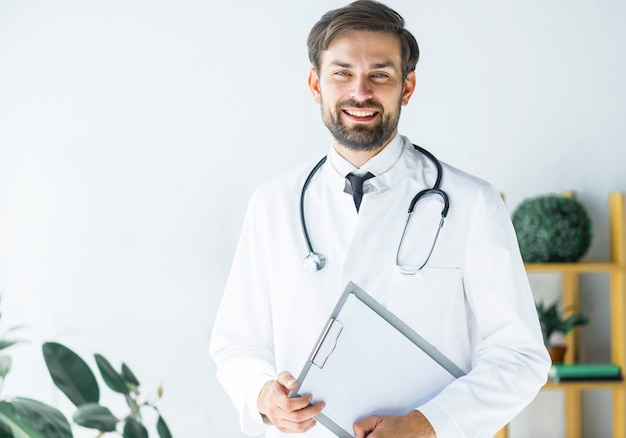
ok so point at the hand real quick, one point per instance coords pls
(411, 425)
(289, 415)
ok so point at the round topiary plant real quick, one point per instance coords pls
(552, 228)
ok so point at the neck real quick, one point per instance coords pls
(358, 157)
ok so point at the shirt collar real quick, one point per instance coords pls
(377, 165)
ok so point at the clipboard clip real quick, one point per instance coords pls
(326, 344)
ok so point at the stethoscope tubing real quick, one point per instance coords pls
(304, 188)
(315, 261)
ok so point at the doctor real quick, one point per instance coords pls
(462, 287)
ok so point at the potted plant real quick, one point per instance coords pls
(554, 321)
(552, 228)
(71, 374)
(22, 417)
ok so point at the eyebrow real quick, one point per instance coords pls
(375, 66)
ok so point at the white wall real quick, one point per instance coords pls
(132, 133)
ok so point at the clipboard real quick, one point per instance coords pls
(367, 361)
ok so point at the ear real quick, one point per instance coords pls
(314, 85)
(408, 88)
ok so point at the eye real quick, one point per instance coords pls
(380, 75)
(342, 73)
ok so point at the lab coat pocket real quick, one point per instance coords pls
(430, 302)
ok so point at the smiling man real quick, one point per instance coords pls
(443, 282)
(364, 84)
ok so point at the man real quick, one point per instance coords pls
(469, 295)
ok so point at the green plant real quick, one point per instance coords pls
(27, 418)
(552, 228)
(553, 321)
(74, 378)
(22, 417)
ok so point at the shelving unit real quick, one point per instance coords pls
(570, 272)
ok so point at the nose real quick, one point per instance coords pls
(361, 88)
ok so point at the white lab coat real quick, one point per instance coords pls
(472, 301)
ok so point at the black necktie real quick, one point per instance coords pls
(357, 187)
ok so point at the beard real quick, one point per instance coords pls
(361, 137)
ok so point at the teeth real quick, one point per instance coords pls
(361, 113)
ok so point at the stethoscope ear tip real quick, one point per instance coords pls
(314, 262)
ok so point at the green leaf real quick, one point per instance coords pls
(132, 382)
(45, 419)
(71, 374)
(6, 344)
(5, 366)
(94, 416)
(568, 324)
(111, 377)
(5, 431)
(128, 375)
(162, 429)
(134, 429)
(18, 425)
(32, 419)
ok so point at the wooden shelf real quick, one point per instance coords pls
(584, 385)
(584, 267)
(616, 268)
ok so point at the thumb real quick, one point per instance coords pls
(364, 427)
(287, 380)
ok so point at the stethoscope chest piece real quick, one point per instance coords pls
(314, 262)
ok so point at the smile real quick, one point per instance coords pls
(361, 115)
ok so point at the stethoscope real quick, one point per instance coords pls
(315, 261)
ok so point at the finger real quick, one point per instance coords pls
(287, 426)
(296, 403)
(314, 409)
(300, 416)
(303, 419)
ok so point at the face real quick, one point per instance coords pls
(360, 89)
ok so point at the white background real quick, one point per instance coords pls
(133, 132)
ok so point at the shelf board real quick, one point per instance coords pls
(588, 384)
(595, 266)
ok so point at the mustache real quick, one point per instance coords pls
(356, 104)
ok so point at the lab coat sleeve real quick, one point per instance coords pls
(242, 342)
(510, 363)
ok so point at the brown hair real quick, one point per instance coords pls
(367, 15)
